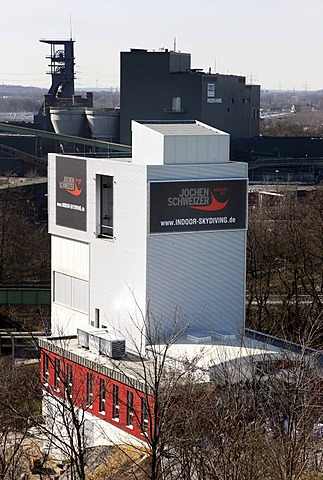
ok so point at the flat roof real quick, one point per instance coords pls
(189, 127)
(204, 354)
(208, 354)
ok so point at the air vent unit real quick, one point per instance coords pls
(104, 343)
(113, 347)
(83, 335)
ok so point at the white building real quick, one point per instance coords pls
(165, 230)
(141, 246)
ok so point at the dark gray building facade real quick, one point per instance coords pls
(162, 86)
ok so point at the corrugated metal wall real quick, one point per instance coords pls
(201, 277)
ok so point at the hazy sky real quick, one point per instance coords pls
(276, 43)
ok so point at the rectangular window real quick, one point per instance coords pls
(97, 318)
(144, 415)
(45, 368)
(57, 374)
(69, 380)
(89, 389)
(210, 90)
(106, 206)
(102, 395)
(115, 402)
(129, 409)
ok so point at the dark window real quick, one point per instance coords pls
(69, 386)
(144, 415)
(89, 389)
(102, 395)
(97, 318)
(115, 402)
(45, 368)
(129, 408)
(106, 206)
(57, 374)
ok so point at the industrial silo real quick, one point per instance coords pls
(104, 123)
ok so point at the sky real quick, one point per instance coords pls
(277, 44)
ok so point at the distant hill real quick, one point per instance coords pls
(17, 98)
(20, 91)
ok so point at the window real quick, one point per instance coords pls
(106, 206)
(57, 374)
(176, 104)
(102, 395)
(144, 415)
(210, 90)
(69, 380)
(89, 389)
(129, 408)
(115, 402)
(45, 368)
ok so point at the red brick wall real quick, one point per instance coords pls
(79, 393)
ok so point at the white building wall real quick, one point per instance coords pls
(147, 145)
(118, 266)
(193, 149)
(102, 432)
(199, 276)
(201, 273)
(70, 257)
(150, 147)
(61, 432)
(115, 268)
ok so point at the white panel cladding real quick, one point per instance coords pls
(155, 144)
(66, 321)
(62, 285)
(70, 257)
(201, 276)
(71, 292)
(190, 172)
(195, 149)
(118, 265)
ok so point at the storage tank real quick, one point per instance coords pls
(104, 123)
(68, 120)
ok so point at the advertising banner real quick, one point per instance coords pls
(71, 193)
(194, 205)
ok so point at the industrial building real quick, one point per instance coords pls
(140, 247)
(161, 85)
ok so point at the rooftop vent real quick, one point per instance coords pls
(83, 335)
(105, 343)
